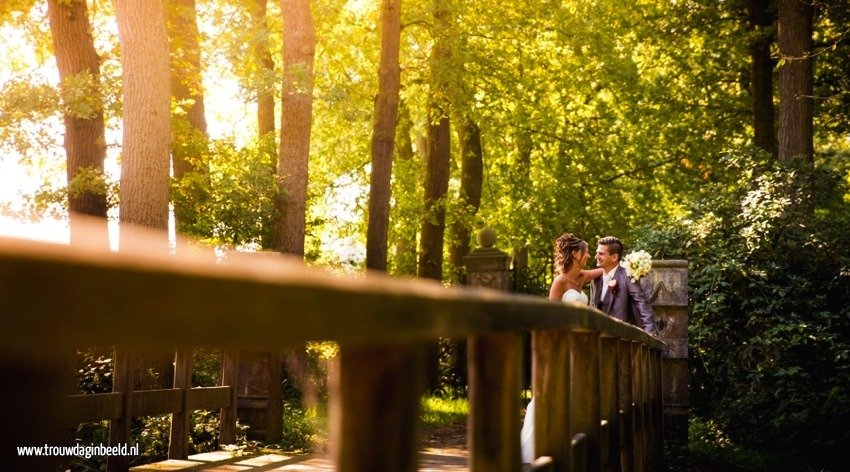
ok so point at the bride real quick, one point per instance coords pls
(571, 256)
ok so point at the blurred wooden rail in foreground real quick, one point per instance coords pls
(597, 380)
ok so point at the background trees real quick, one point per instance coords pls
(578, 115)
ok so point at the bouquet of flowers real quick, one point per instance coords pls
(637, 264)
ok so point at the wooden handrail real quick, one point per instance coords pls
(57, 298)
(150, 301)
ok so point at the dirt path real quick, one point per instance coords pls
(444, 450)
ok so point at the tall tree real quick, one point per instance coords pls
(796, 100)
(383, 135)
(189, 123)
(147, 115)
(146, 144)
(471, 179)
(85, 147)
(439, 151)
(299, 46)
(437, 168)
(762, 18)
(265, 70)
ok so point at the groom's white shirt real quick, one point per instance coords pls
(606, 277)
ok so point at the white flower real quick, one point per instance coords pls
(637, 264)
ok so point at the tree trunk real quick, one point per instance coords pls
(437, 168)
(299, 46)
(146, 141)
(796, 104)
(796, 97)
(189, 130)
(761, 20)
(147, 124)
(265, 94)
(471, 179)
(85, 146)
(383, 134)
(438, 157)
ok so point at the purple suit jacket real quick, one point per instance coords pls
(626, 301)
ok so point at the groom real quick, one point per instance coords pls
(615, 293)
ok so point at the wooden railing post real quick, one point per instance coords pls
(119, 429)
(609, 398)
(494, 384)
(229, 377)
(585, 387)
(551, 370)
(178, 445)
(626, 407)
(655, 393)
(376, 407)
(637, 409)
(494, 370)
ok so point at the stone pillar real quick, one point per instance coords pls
(666, 285)
(488, 266)
(494, 366)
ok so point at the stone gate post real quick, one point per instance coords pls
(494, 364)
(666, 285)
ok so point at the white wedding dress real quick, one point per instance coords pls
(527, 433)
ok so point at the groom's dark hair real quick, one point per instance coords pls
(615, 246)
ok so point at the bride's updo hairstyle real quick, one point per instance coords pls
(565, 245)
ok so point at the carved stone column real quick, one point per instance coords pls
(666, 285)
(494, 366)
(488, 266)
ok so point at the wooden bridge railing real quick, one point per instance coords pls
(597, 380)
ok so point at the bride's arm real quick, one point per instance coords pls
(587, 275)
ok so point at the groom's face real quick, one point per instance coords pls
(605, 259)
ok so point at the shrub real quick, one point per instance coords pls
(769, 320)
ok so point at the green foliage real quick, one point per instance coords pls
(769, 320)
(234, 203)
(206, 368)
(94, 370)
(80, 96)
(708, 445)
(300, 428)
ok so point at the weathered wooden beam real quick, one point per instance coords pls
(229, 377)
(656, 392)
(580, 453)
(609, 402)
(156, 402)
(178, 443)
(639, 434)
(208, 398)
(494, 387)
(119, 428)
(542, 464)
(376, 407)
(95, 407)
(585, 401)
(626, 407)
(551, 390)
(95, 300)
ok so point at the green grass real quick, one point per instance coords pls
(443, 411)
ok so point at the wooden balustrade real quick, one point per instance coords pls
(596, 380)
